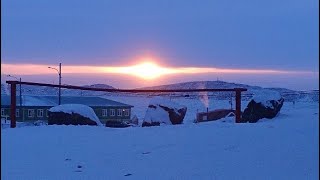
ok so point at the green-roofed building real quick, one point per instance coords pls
(33, 108)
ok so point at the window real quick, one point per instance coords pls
(30, 112)
(104, 112)
(47, 113)
(2, 112)
(40, 113)
(204, 118)
(112, 112)
(126, 112)
(17, 113)
(119, 112)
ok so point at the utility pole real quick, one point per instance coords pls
(20, 93)
(59, 83)
(59, 73)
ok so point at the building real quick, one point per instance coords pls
(35, 108)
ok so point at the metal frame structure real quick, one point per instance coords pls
(14, 84)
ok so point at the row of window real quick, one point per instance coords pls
(30, 112)
(113, 112)
(104, 112)
(39, 113)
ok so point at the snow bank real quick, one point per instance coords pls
(81, 109)
(264, 97)
(158, 110)
(157, 115)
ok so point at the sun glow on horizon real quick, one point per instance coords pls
(146, 70)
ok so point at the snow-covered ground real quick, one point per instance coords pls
(286, 147)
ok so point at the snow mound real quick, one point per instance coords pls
(264, 97)
(157, 115)
(164, 111)
(81, 109)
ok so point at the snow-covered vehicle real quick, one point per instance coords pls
(117, 124)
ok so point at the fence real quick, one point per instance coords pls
(14, 87)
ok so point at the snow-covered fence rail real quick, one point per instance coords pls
(14, 83)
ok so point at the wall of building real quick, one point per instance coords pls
(109, 117)
(25, 116)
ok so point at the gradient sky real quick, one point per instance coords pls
(268, 34)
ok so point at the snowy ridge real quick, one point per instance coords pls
(201, 85)
(287, 94)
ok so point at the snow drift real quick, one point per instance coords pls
(73, 114)
(162, 110)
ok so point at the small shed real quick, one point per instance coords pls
(214, 115)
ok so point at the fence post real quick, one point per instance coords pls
(238, 106)
(13, 105)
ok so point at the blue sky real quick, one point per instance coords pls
(270, 34)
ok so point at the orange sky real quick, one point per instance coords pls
(144, 70)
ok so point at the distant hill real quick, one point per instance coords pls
(289, 95)
(201, 85)
(88, 93)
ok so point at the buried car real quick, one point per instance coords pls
(117, 124)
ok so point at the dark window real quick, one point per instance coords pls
(112, 112)
(30, 112)
(104, 112)
(17, 113)
(40, 113)
(119, 112)
(126, 112)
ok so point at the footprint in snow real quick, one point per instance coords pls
(79, 169)
(232, 148)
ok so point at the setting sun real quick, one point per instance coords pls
(146, 70)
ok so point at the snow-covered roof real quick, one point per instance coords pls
(53, 101)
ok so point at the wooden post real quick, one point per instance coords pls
(238, 106)
(13, 105)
